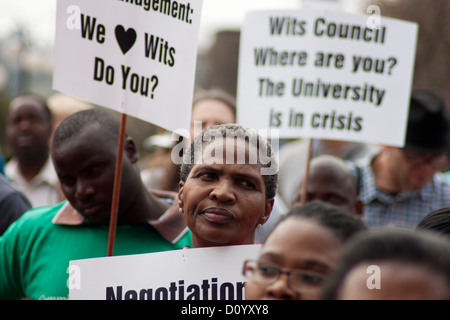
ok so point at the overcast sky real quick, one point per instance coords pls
(39, 15)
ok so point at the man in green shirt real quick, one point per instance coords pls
(35, 251)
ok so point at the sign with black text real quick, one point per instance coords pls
(135, 57)
(326, 75)
(189, 274)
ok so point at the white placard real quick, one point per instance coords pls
(326, 75)
(135, 57)
(188, 274)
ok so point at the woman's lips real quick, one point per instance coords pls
(218, 215)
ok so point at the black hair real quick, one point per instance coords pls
(73, 125)
(237, 131)
(343, 224)
(40, 100)
(437, 221)
(420, 248)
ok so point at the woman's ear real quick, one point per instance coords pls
(180, 194)
(267, 211)
(130, 150)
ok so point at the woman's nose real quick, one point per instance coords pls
(223, 191)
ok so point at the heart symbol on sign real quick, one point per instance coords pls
(125, 39)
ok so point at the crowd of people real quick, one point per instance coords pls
(375, 227)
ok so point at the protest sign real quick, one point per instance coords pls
(326, 75)
(135, 57)
(186, 274)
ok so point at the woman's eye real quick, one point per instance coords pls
(267, 271)
(207, 176)
(248, 184)
(310, 278)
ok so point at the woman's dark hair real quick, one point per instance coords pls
(420, 248)
(239, 133)
(437, 221)
(343, 225)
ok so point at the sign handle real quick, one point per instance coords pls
(116, 188)
(306, 175)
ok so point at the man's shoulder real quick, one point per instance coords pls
(7, 188)
(39, 216)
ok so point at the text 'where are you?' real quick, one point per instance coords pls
(291, 26)
(326, 74)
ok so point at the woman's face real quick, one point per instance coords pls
(223, 199)
(308, 250)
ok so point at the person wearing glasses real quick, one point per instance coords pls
(300, 252)
(399, 186)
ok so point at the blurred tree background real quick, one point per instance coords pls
(26, 64)
(433, 45)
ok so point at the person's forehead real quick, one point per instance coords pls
(331, 166)
(212, 110)
(299, 240)
(27, 104)
(92, 135)
(233, 171)
(330, 176)
(26, 101)
(230, 150)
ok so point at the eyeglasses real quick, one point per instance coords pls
(420, 158)
(301, 281)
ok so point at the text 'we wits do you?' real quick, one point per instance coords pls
(129, 58)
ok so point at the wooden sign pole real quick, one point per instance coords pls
(116, 188)
(306, 175)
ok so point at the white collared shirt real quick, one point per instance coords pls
(43, 189)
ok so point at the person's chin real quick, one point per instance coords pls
(96, 215)
(215, 235)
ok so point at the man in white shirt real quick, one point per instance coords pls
(29, 128)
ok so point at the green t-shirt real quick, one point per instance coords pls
(35, 253)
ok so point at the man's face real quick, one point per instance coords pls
(85, 166)
(413, 169)
(28, 129)
(328, 185)
(330, 182)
